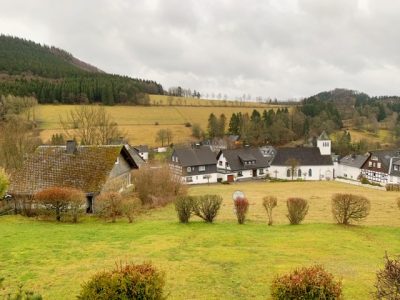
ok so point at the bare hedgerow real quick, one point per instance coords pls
(157, 185)
(207, 207)
(269, 203)
(108, 205)
(348, 207)
(388, 280)
(297, 210)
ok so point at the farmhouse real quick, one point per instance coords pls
(194, 165)
(307, 163)
(92, 169)
(382, 166)
(239, 164)
(349, 167)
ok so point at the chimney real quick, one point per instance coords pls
(71, 147)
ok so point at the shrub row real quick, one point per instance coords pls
(205, 207)
(393, 187)
(346, 208)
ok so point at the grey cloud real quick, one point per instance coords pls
(273, 48)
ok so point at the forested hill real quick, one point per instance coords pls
(55, 76)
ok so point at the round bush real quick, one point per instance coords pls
(306, 283)
(130, 281)
(348, 207)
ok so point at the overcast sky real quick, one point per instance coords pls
(268, 48)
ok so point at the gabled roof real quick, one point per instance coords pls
(142, 148)
(306, 156)
(384, 156)
(195, 156)
(236, 157)
(324, 137)
(87, 169)
(134, 153)
(355, 161)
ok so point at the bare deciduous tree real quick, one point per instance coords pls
(91, 125)
(293, 164)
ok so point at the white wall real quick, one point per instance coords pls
(144, 155)
(324, 147)
(199, 179)
(246, 174)
(318, 172)
(348, 172)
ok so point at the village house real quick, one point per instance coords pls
(349, 167)
(92, 169)
(143, 151)
(382, 166)
(240, 164)
(306, 163)
(194, 165)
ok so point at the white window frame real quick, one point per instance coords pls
(189, 179)
(189, 169)
(202, 168)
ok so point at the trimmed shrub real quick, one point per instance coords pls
(142, 281)
(241, 208)
(388, 280)
(108, 205)
(130, 207)
(184, 208)
(348, 207)
(269, 204)
(207, 207)
(60, 201)
(306, 283)
(297, 210)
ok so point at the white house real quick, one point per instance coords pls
(311, 163)
(143, 151)
(194, 165)
(239, 164)
(349, 167)
(382, 166)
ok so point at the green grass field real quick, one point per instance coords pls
(208, 261)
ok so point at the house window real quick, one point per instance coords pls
(298, 173)
(261, 171)
(117, 161)
(379, 165)
(202, 168)
(374, 158)
(189, 169)
(309, 172)
(226, 165)
(370, 164)
(288, 173)
(240, 174)
(189, 179)
(219, 163)
(396, 167)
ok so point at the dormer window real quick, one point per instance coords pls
(374, 158)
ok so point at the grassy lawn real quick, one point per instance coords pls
(208, 261)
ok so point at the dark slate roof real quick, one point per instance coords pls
(87, 169)
(134, 153)
(306, 156)
(235, 158)
(195, 156)
(324, 137)
(384, 157)
(355, 161)
(142, 148)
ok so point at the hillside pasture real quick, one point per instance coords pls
(139, 122)
(208, 261)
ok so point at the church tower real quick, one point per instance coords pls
(324, 144)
